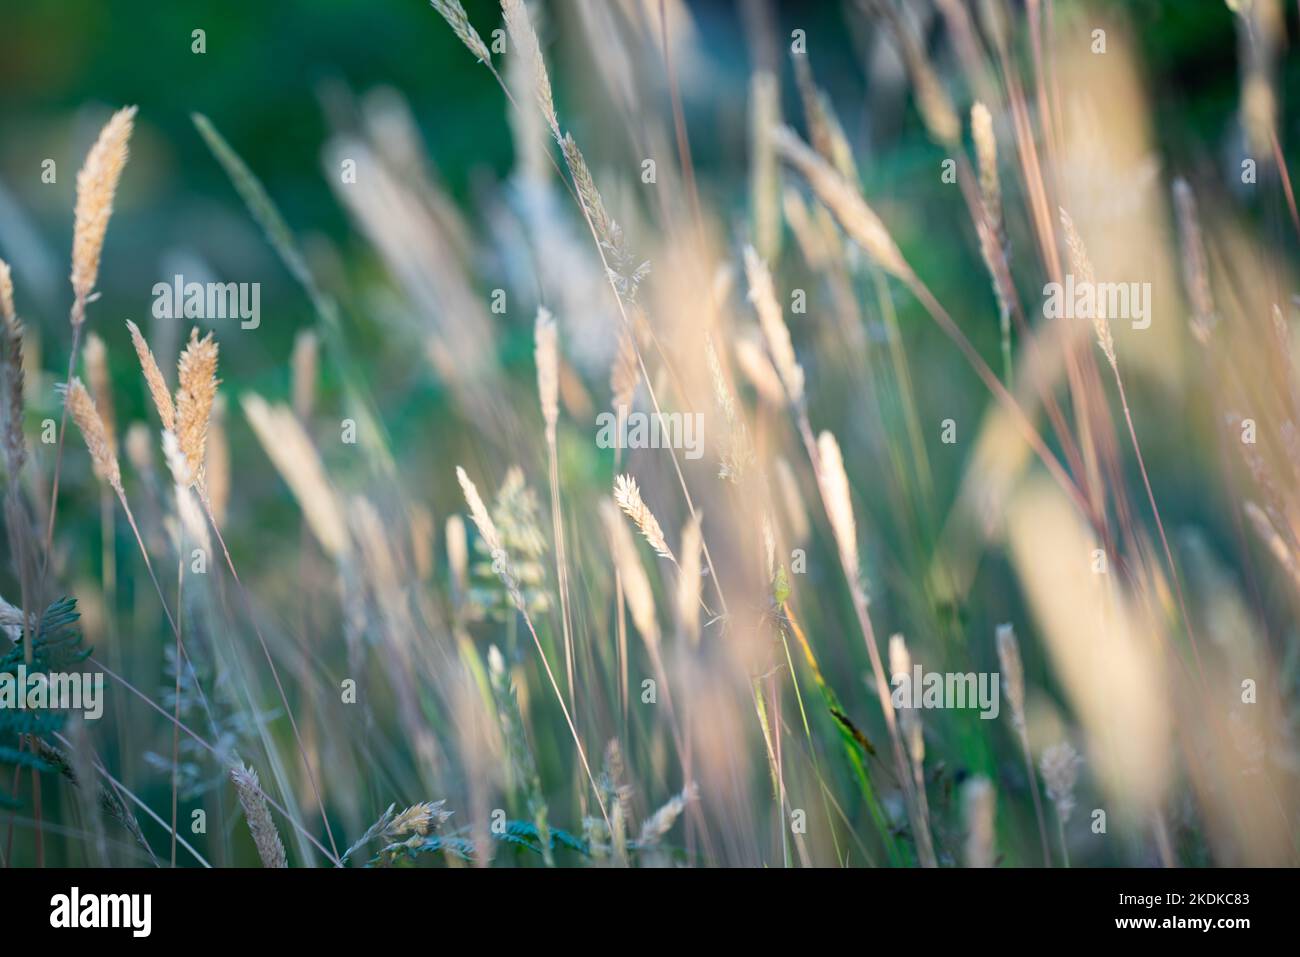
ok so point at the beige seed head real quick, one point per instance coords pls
(546, 354)
(986, 155)
(839, 504)
(418, 819)
(491, 537)
(82, 408)
(457, 19)
(763, 295)
(737, 451)
(153, 377)
(524, 39)
(258, 814)
(636, 584)
(689, 581)
(1013, 673)
(628, 497)
(589, 194)
(909, 719)
(844, 201)
(457, 554)
(96, 187)
(1082, 267)
(933, 102)
(661, 821)
(197, 372)
(1060, 769)
(296, 459)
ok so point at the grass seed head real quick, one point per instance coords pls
(197, 372)
(96, 188)
(628, 497)
(103, 459)
(153, 378)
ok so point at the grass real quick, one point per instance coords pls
(407, 575)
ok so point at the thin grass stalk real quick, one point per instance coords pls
(859, 599)
(211, 749)
(275, 673)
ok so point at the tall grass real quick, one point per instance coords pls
(633, 656)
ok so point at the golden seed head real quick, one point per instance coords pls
(628, 497)
(82, 408)
(197, 371)
(96, 187)
(153, 377)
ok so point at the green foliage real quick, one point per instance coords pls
(57, 646)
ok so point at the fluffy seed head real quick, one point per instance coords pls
(844, 201)
(418, 819)
(526, 46)
(986, 155)
(636, 584)
(96, 187)
(258, 814)
(661, 821)
(153, 377)
(83, 411)
(491, 537)
(763, 295)
(1013, 672)
(839, 504)
(909, 720)
(546, 354)
(628, 497)
(197, 371)
(1060, 769)
(1082, 266)
(298, 463)
(457, 19)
